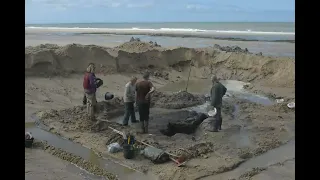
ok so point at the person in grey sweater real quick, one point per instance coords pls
(217, 92)
(129, 100)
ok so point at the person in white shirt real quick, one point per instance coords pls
(129, 100)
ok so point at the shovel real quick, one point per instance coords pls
(180, 161)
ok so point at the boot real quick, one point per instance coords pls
(142, 127)
(215, 126)
(84, 100)
(146, 125)
(220, 124)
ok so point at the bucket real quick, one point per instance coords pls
(28, 143)
(213, 112)
(128, 151)
(99, 82)
(130, 140)
(108, 96)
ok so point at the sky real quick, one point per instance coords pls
(89, 11)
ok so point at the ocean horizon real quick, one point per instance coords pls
(267, 27)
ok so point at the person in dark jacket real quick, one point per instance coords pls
(90, 88)
(144, 90)
(217, 92)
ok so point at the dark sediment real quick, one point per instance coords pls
(194, 36)
(231, 48)
(179, 100)
(186, 125)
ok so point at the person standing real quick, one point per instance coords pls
(129, 99)
(90, 88)
(217, 92)
(144, 90)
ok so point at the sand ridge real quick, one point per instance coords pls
(137, 55)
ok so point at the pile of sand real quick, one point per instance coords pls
(138, 46)
(179, 100)
(73, 58)
(231, 49)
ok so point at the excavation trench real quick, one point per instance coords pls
(187, 120)
(162, 122)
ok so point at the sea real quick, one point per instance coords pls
(280, 27)
(174, 33)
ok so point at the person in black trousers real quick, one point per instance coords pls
(217, 92)
(144, 90)
(129, 99)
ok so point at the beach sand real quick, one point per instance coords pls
(267, 48)
(54, 81)
(39, 165)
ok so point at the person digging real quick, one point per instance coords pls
(217, 92)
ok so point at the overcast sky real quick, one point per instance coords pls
(86, 11)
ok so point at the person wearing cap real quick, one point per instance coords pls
(144, 90)
(217, 92)
(129, 99)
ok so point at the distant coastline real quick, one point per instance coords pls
(194, 36)
(267, 32)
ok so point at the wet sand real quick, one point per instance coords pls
(40, 165)
(267, 48)
(243, 35)
(230, 126)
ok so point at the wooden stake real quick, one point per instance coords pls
(189, 76)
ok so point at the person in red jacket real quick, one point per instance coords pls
(90, 88)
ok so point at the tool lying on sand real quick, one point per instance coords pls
(180, 161)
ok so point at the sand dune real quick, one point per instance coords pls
(132, 56)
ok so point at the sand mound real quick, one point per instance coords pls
(130, 56)
(179, 100)
(70, 58)
(138, 46)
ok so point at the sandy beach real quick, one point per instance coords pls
(273, 44)
(256, 129)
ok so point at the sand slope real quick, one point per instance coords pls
(132, 56)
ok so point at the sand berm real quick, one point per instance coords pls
(50, 60)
